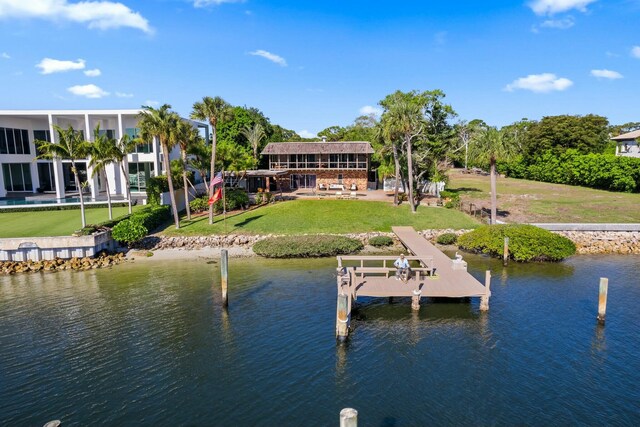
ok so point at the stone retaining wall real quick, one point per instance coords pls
(49, 248)
(604, 242)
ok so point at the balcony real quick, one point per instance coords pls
(318, 162)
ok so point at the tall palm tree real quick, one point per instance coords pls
(103, 153)
(390, 144)
(254, 134)
(185, 136)
(161, 123)
(123, 147)
(71, 145)
(491, 143)
(200, 153)
(214, 110)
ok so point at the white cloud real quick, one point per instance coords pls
(50, 66)
(635, 51)
(88, 91)
(606, 74)
(540, 83)
(124, 95)
(205, 3)
(5, 55)
(306, 134)
(151, 103)
(93, 73)
(559, 24)
(95, 14)
(551, 7)
(368, 110)
(270, 56)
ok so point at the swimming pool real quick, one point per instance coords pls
(23, 201)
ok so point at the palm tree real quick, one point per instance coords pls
(254, 134)
(103, 153)
(491, 143)
(185, 136)
(200, 153)
(123, 147)
(71, 145)
(404, 119)
(214, 110)
(390, 143)
(161, 123)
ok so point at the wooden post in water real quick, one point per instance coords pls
(602, 300)
(342, 318)
(348, 417)
(505, 255)
(484, 300)
(415, 299)
(224, 272)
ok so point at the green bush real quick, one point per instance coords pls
(129, 231)
(259, 198)
(199, 204)
(381, 241)
(306, 246)
(526, 242)
(234, 198)
(156, 185)
(452, 199)
(447, 239)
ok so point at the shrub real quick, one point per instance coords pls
(447, 239)
(526, 242)
(129, 231)
(259, 198)
(306, 246)
(156, 185)
(381, 241)
(199, 204)
(452, 199)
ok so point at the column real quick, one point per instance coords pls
(3, 191)
(57, 164)
(93, 180)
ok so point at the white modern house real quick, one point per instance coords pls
(627, 144)
(23, 174)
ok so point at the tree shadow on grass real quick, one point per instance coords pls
(465, 190)
(247, 221)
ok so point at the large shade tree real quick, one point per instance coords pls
(213, 110)
(103, 153)
(71, 145)
(161, 123)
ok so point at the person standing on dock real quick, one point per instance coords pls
(402, 267)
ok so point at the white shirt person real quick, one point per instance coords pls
(401, 265)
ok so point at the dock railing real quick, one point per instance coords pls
(375, 264)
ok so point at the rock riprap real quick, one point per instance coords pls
(59, 264)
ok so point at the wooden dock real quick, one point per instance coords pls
(434, 275)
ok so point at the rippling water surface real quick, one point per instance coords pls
(148, 345)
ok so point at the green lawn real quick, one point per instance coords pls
(325, 216)
(521, 200)
(52, 223)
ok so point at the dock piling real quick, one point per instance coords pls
(348, 417)
(484, 300)
(505, 254)
(415, 300)
(602, 300)
(342, 318)
(224, 272)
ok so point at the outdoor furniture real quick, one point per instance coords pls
(353, 195)
(322, 187)
(336, 187)
(338, 194)
(354, 187)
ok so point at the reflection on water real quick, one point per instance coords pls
(150, 344)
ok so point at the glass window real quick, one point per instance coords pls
(26, 146)
(46, 176)
(17, 177)
(3, 142)
(139, 174)
(10, 141)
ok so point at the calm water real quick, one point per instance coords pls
(148, 345)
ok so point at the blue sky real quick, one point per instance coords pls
(312, 64)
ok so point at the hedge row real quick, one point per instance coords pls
(306, 246)
(140, 223)
(602, 171)
(526, 242)
(156, 185)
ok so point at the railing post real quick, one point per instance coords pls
(348, 417)
(602, 300)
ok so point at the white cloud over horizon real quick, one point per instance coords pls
(635, 52)
(367, 110)
(50, 65)
(124, 95)
(102, 14)
(540, 83)
(551, 7)
(93, 73)
(606, 74)
(205, 3)
(88, 91)
(306, 134)
(559, 24)
(277, 59)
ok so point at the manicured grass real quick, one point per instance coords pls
(52, 223)
(325, 216)
(532, 201)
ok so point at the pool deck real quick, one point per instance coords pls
(436, 276)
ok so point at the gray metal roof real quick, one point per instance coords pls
(342, 147)
(626, 136)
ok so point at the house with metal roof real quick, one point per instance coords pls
(322, 165)
(627, 144)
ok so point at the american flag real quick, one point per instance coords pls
(216, 180)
